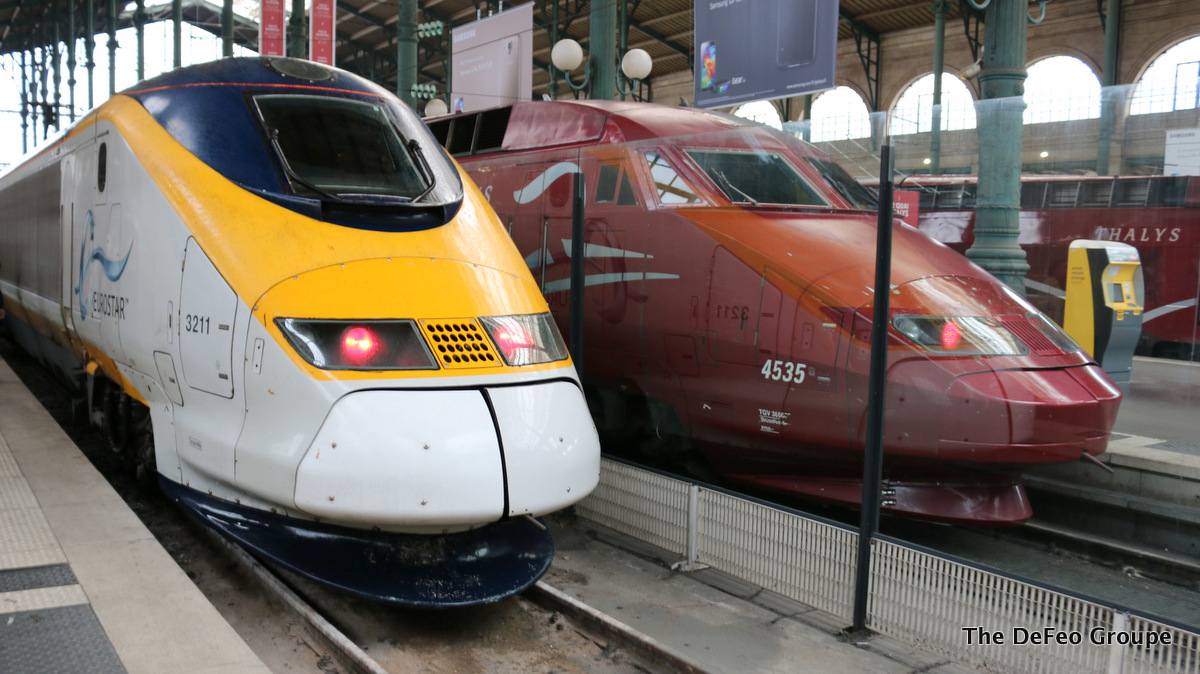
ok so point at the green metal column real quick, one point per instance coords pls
(808, 99)
(297, 41)
(622, 46)
(1109, 96)
(602, 50)
(24, 106)
(553, 41)
(111, 19)
(406, 51)
(227, 29)
(90, 46)
(72, 30)
(139, 27)
(939, 64)
(56, 68)
(177, 19)
(1000, 111)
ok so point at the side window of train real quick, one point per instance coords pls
(101, 167)
(672, 189)
(613, 186)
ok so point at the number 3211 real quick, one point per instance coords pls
(778, 370)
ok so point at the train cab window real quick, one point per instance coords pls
(101, 167)
(844, 184)
(343, 148)
(756, 178)
(672, 188)
(613, 186)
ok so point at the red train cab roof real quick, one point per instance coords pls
(539, 124)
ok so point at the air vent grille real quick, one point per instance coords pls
(460, 343)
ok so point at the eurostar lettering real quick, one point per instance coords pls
(1141, 234)
(111, 306)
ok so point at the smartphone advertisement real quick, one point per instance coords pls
(753, 50)
(491, 61)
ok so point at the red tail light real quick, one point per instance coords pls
(950, 335)
(359, 344)
(526, 339)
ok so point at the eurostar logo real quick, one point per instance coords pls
(89, 252)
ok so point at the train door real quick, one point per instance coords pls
(616, 258)
(799, 349)
(544, 213)
(208, 309)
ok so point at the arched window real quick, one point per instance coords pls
(1172, 82)
(763, 112)
(839, 114)
(914, 110)
(1060, 89)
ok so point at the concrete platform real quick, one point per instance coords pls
(83, 585)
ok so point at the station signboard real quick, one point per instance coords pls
(491, 60)
(754, 50)
(271, 39)
(322, 22)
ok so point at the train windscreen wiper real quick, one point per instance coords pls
(291, 173)
(414, 148)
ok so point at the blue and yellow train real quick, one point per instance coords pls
(284, 300)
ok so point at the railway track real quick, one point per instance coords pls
(541, 630)
(296, 625)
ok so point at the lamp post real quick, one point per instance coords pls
(567, 55)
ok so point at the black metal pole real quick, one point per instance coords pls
(578, 252)
(873, 457)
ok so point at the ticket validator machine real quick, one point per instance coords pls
(1105, 296)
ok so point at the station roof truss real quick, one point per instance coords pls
(367, 29)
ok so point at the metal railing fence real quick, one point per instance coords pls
(947, 606)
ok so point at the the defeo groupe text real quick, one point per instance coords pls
(1049, 636)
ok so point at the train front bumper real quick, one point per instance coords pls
(1022, 417)
(434, 460)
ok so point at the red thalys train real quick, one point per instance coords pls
(1158, 215)
(728, 310)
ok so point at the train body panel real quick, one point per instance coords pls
(291, 335)
(728, 310)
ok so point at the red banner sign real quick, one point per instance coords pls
(320, 37)
(906, 205)
(271, 39)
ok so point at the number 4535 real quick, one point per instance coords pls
(778, 370)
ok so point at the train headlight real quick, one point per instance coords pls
(959, 335)
(1054, 333)
(358, 345)
(526, 340)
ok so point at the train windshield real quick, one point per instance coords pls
(344, 149)
(756, 178)
(850, 189)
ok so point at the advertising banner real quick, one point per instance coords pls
(753, 50)
(1182, 155)
(491, 60)
(320, 33)
(906, 206)
(271, 39)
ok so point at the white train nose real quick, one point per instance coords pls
(443, 458)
